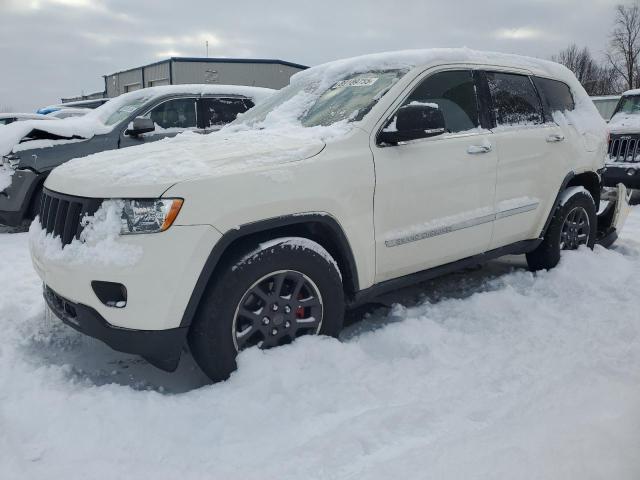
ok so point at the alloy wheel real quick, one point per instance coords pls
(276, 309)
(576, 229)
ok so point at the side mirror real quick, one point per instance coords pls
(139, 126)
(412, 122)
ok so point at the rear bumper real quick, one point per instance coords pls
(161, 348)
(613, 175)
(16, 199)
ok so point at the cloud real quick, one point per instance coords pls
(522, 33)
(55, 48)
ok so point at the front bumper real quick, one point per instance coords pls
(159, 286)
(160, 348)
(16, 199)
(615, 174)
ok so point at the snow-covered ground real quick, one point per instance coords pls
(490, 373)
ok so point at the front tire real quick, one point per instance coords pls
(266, 298)
(574, 224)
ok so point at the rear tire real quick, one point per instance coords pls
(574, 224)
(635, 197)
(265, 299)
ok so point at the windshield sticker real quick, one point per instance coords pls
(356, 82)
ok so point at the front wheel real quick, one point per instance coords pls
(574, 224)
(267, 298)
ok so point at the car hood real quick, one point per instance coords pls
(149, 170)
(624, 123)
(19, 136)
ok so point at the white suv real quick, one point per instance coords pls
(361, 176)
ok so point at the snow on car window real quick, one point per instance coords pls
(315, 103)
(125, 110)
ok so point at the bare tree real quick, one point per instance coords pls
(5, 108)
(597, 79)
(625, 44)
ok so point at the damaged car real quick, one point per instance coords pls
(362, 176)
(31, 149)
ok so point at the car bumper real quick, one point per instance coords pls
(161, 348)
(158, 287)
(15, 199)
(628, 175)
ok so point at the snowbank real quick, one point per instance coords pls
(99, 244)
(493, 373)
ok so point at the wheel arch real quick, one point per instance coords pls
(319, 227)
(589, 180)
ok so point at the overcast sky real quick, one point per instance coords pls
(55, 48)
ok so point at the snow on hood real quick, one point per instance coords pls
(93, 123)
(160, 164)
(625, 123)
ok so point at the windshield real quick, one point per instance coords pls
(629, 104)
(122, 112)
(349, 98)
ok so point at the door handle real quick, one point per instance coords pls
(476, 149)
(555, 137)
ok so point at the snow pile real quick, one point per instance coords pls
(99, 244)
(93, 123)
(625, 123)
(6, 172)
(492, 373)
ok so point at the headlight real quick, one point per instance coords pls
(149, 216)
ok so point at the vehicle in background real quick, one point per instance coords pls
(606, 105)
(623, 159)
(361, 176)
(90, 104)
(69, 112)
(31, 150)
(7, 118)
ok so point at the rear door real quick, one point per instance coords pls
(171, 117)
(530, 159)
(215, 112)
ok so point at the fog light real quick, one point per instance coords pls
(631, 172)
(110, 293)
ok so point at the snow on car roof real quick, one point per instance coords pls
(93, 123)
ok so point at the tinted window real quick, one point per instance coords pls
(453, 93)
(515, 101)
(178, 113)
(220, 111)
(556, 95)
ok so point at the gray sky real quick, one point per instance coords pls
(55, 48)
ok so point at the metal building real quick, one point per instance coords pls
(182, 70)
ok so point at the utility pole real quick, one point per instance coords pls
(207, 45)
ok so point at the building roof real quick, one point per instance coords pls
(215, 60)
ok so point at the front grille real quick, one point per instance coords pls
(61, 214)
(624, 148)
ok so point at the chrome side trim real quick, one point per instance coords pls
(454, 227)
(516, 211)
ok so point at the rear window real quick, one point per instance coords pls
(556, 96)
(515, 100)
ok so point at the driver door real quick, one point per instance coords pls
(170, 117)
(434, 197)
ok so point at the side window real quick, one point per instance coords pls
(177, 113)
(515, 100)
(556, 96)
(220, 111)
(454, 94)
